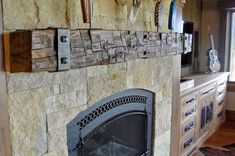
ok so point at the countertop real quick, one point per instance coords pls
(202, 79)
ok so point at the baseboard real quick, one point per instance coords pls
(230, 115)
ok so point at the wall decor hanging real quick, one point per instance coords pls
(87, 10)
(214, 64)
(172, 15)
(158, 14)
(134, 11)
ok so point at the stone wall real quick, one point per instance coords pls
(41, 104)
(108, 14)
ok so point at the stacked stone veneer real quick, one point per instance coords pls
(41, 104)
(108, 14)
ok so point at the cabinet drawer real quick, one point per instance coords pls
(220, 101)
(221, 91)
(188, 126)
(189, 100)
(187, 141)
(207, 90)
(188, 112)
(221, 83)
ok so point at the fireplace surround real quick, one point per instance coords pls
(41, 105)
(120, 124)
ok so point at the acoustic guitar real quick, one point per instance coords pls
(214, 64)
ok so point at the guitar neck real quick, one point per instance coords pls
(212, 42)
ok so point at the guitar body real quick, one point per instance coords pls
(214, 64)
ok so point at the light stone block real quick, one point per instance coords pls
(62, 151)
(81, 97)
(108, 8)
(73, 80)
(97, 70)
(57, 139)
(162, 118)
(61, 102)
(19, 14)
(59, 119)
(26, 81)
(74, 15)
(140, 73)
(119, 67)
(27, 123)
(162, 144)
(102, 86)
(51, 13)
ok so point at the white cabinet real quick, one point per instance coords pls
(202, 111)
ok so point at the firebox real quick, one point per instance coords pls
(119, 125)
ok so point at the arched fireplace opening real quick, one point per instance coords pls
(119, 125)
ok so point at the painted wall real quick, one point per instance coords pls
(230, 104)
(211, 17)
(192, 13)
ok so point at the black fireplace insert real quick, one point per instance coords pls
(119, 125)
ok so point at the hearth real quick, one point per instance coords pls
(119, 125)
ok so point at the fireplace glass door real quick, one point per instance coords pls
(122, 136)
(119, 125)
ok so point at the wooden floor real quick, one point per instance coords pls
(224, 136)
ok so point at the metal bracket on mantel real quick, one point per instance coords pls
(63, 49)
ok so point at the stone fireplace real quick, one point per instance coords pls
(42, 104)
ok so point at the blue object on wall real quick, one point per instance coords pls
(172, 15)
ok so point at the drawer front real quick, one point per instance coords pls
(187, 141)
(222, 83)
(220, 112)
(189, 100)
(207, 90)
(221, 92)
(220, 101)
(188, 126)
(188, 112)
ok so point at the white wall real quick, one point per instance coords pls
(211, 17)
(230, 101)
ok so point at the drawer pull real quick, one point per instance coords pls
(189, 127)
(209, 112)
(190, 101)
(188, 143)
(203, 115)
(221, 92)
(204, 93)
(221, 102)
(221, 84)
(189, 112)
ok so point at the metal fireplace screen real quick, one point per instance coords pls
(120, 125)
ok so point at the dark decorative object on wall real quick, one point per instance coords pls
(187, 56)
(172, 15)
(158, 14)
(120, 125)
(87, 48)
